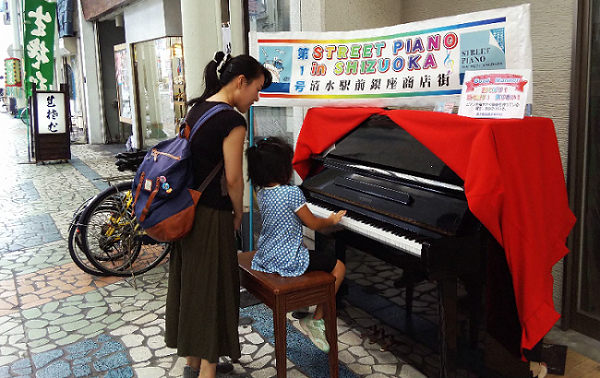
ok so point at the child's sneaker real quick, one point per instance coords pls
(316, 332)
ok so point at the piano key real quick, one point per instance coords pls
(371, 231)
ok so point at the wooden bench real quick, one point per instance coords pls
(285, 294)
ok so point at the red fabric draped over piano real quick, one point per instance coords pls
(514, 184)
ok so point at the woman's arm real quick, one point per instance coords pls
(233, 151)
(317, 223)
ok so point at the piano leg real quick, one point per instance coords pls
(475, 297)
(447, 309)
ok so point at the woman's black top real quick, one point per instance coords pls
(207, 151)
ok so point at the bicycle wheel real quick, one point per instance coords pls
(24, 115)
(112, 239)
(75, 248)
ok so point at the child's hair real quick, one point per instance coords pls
(270, 162)
(223, 68)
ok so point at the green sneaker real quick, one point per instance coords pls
(316, 332)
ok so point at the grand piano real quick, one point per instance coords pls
(406, 207)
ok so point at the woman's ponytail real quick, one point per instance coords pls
(222, 69)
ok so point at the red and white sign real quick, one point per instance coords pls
(495, 94)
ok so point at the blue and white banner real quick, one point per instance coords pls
(415, 64)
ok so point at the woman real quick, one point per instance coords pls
(203, 295)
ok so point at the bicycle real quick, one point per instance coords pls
(106, 232)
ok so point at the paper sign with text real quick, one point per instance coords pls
(51, 114)
(495, 94)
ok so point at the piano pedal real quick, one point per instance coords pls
(387, 344)
(371, 334)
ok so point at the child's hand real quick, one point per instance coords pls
(337, 217)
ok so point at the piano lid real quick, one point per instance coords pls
(381, 143)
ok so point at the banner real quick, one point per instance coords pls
(415, 64)
(38, 37)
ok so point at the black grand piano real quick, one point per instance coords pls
(406, 207)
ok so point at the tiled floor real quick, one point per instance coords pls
(56, 321)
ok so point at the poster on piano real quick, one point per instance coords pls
(495, 94)
(415, 64)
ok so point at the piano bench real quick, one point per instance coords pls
(285, 294)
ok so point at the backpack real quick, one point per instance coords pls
(164, 201)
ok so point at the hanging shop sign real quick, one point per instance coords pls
(39, 19)
(415, 64)
(12, 72)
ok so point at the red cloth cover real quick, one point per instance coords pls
(514, 184)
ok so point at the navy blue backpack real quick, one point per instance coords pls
(164, 200)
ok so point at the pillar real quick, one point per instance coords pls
(238, 36)
(92, 104)
(201, 38)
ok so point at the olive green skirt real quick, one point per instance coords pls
(203, 298)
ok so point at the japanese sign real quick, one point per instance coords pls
(5, 11)
(51, 113)
(39, 18)
(415, 64)
(12, 70)
(495, 94)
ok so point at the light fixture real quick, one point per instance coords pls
(119, 22)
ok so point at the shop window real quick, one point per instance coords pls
(272, 16)
(160, 88)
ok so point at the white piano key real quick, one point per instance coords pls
(372, 232)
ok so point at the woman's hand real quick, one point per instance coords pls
(237, 222)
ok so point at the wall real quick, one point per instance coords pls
(552, 28)
(93, 9)
(359, 14)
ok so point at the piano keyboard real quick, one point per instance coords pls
(404, 243)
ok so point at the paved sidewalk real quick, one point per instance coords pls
(56, 321)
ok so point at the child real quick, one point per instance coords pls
(280, 248)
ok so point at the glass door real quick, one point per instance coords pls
(160, 88)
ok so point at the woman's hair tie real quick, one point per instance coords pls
(221, 65)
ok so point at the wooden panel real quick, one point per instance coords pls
(93, 9)
(53, 147)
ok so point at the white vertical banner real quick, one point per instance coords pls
(414, 64)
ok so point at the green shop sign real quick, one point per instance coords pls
(38, 19)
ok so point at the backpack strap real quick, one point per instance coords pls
(212, 111)
(210, 176)
(204, 117)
